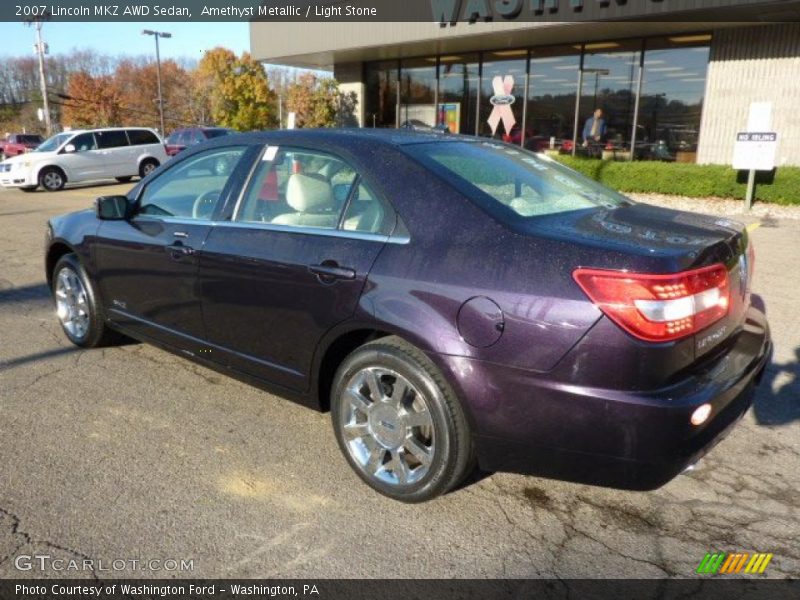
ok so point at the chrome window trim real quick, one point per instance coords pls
(327, 232)
(338, 233)
(247, 181)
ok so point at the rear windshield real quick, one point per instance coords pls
(212, 133)
(173, 138)
(29, 139)
(510, 183)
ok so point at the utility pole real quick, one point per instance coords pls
(158, 34)
(41, 50)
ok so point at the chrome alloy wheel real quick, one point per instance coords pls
(52, 180)
(387, 426)
(72, 305)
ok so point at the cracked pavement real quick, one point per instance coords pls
(133, 453)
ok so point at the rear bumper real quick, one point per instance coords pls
(523, 422)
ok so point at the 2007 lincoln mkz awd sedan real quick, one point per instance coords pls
(453, 301)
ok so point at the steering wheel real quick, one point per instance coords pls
(204, 205)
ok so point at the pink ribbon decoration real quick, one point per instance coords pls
(502, 101)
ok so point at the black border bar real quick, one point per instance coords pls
(441, 12)
(712, 587)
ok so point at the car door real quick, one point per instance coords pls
(147, 265)
(81, 158)
(117, 161)
(284, 269)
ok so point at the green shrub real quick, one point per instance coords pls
(682, 179)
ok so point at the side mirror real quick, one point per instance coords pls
(69, 148)
(112, 208)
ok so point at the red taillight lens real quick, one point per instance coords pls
(659, 308)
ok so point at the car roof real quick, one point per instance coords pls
(108, 129)
(391, 137)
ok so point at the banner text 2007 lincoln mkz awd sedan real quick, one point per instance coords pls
(452, 300)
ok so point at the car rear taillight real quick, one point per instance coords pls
(659, 308)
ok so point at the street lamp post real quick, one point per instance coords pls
(159, 34)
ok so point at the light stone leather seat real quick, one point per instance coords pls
(313, 200)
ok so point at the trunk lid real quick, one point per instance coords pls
(641, 238)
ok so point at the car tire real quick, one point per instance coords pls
(52, 179)
(148, 166)
(413, 443)
(123, 179)
(29, 188)
(78, 307)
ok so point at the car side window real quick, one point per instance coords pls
(141, 137)
(84, 142)
(297, 188)
(191, 188)
(367, 213)
(111, 139)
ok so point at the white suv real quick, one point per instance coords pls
(119, 153)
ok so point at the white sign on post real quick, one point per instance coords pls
(290, 120)
(755, 150)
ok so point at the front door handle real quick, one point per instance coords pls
(329, 272)
(178, 250)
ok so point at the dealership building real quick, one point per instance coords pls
(672, 90)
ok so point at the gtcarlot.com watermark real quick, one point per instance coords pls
(47, 563)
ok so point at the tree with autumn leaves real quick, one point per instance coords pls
(318, 102)
(224, 90)
(237, 90)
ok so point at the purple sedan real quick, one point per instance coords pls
(454, 302)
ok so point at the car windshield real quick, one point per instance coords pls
(212, 133)
(510, 183)
(54, 142)
(29, 139)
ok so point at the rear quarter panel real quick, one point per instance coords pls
(457, 252)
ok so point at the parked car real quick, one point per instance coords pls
(449, 299)
(18, 143)
(85, 155)
(180, 139)
(417, 125)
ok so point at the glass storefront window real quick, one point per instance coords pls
(418, 93)
(537, 96)
(552, 82)
(458, 92)
(502, 94)
(381, 98)
(610, 80)
(672, 97)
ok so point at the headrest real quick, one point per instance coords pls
(309, 195)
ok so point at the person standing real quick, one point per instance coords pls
(594, 130)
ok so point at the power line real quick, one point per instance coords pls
(121, 107)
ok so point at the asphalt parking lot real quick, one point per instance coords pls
(131, 453)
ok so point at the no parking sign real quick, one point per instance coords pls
(755, 151)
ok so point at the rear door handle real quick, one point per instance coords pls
(330, 272)
(177, 250)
